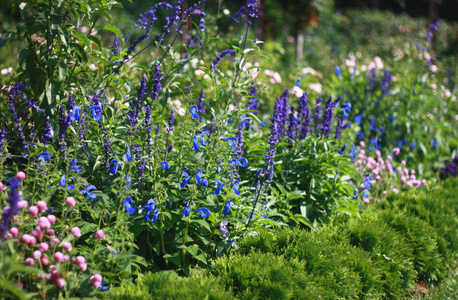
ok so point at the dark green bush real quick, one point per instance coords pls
(259, 275)
(168, 285)
(338, 267)
(387, 248)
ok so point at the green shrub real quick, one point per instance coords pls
(260, 275)
(422, 238)
(168, 285)
(338, 267)
(387, 248)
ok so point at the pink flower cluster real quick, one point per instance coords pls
(387, 175)
(41, 246)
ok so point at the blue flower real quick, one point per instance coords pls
(76, 114)
(360, 135)
(354, 195)
(235, 186)
(298, 82)
(87, 193)
(413, 145)
(96, 112)
(186, 211)
(232, 141)
(202, 140)
(62, 181)
(434, 143)
(227, 207)
(128, 205)
(185, 181)
(150, 207)
(71, 187)
(219, 188)
(103, 285)
(338, 73)
(393, 117)
(199, 180)
(155, 215)
(358, 119)
(346, 109)
(195, 144)
(194, 111)
(114, 170)
(242, 161)
(165, 165)
(128, 157)
(73, 166)
(204, 212)
(44, 156)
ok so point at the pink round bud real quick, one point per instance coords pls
(396, 151)
(22, 204)
(60, 282)
(26, 238)
(76, 231)
(403, 180)
(36, 254)
(14, 232)
(83, 267)
(1, 185)
(100, 234)
(58, 256)
(42, 205)
(20, 175)
(412, 171)
(80, 260)
(44, 223)
(424, 182)
(52, 268)
(389, 158)
(33, 210)
(66, 257)
(67, 246)
(52, 219)
(41, 276)
(395, 190)
(385, 192)
(70, 201)
(367, 201)
(378, 153)
(50, 232)
(30, 261)
(44, 247)
(362, 144)
(97, 277)
(378, 177)
(44, 260)
(32, 242)
(403, 162)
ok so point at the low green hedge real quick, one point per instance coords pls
(411, 237)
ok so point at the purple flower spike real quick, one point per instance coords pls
(222, 229)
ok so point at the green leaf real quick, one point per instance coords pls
(174, 258)
(63, 69)
(115, 30)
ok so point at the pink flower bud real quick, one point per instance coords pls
(56, 240)
(36, 254)
(378, 177)
(20, 175)
(80, 260)
(44, 260)
(396, 151)
(58, 256)
(424, 182)
(50, 232)
(362, 144)
(67, 246)
(100, 234)
(52, 219)
(66, 257)
(33, 210)
(60, 282)
(41, 205)
(395, 190)
(403, 180)
(378, 153)
(83, 267)
(403, 162)
(367, 201)
(1, 185)
(14, 232)
(44, 223)
(26, 238)
(41, 276)
(412, 171)
(76, 231)
(44, 247)
(70, 201)
(32, 242)
(385, 192)
(30, 261)
(389, 158)
(362, 151)
(23, 203)
(409, 183)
